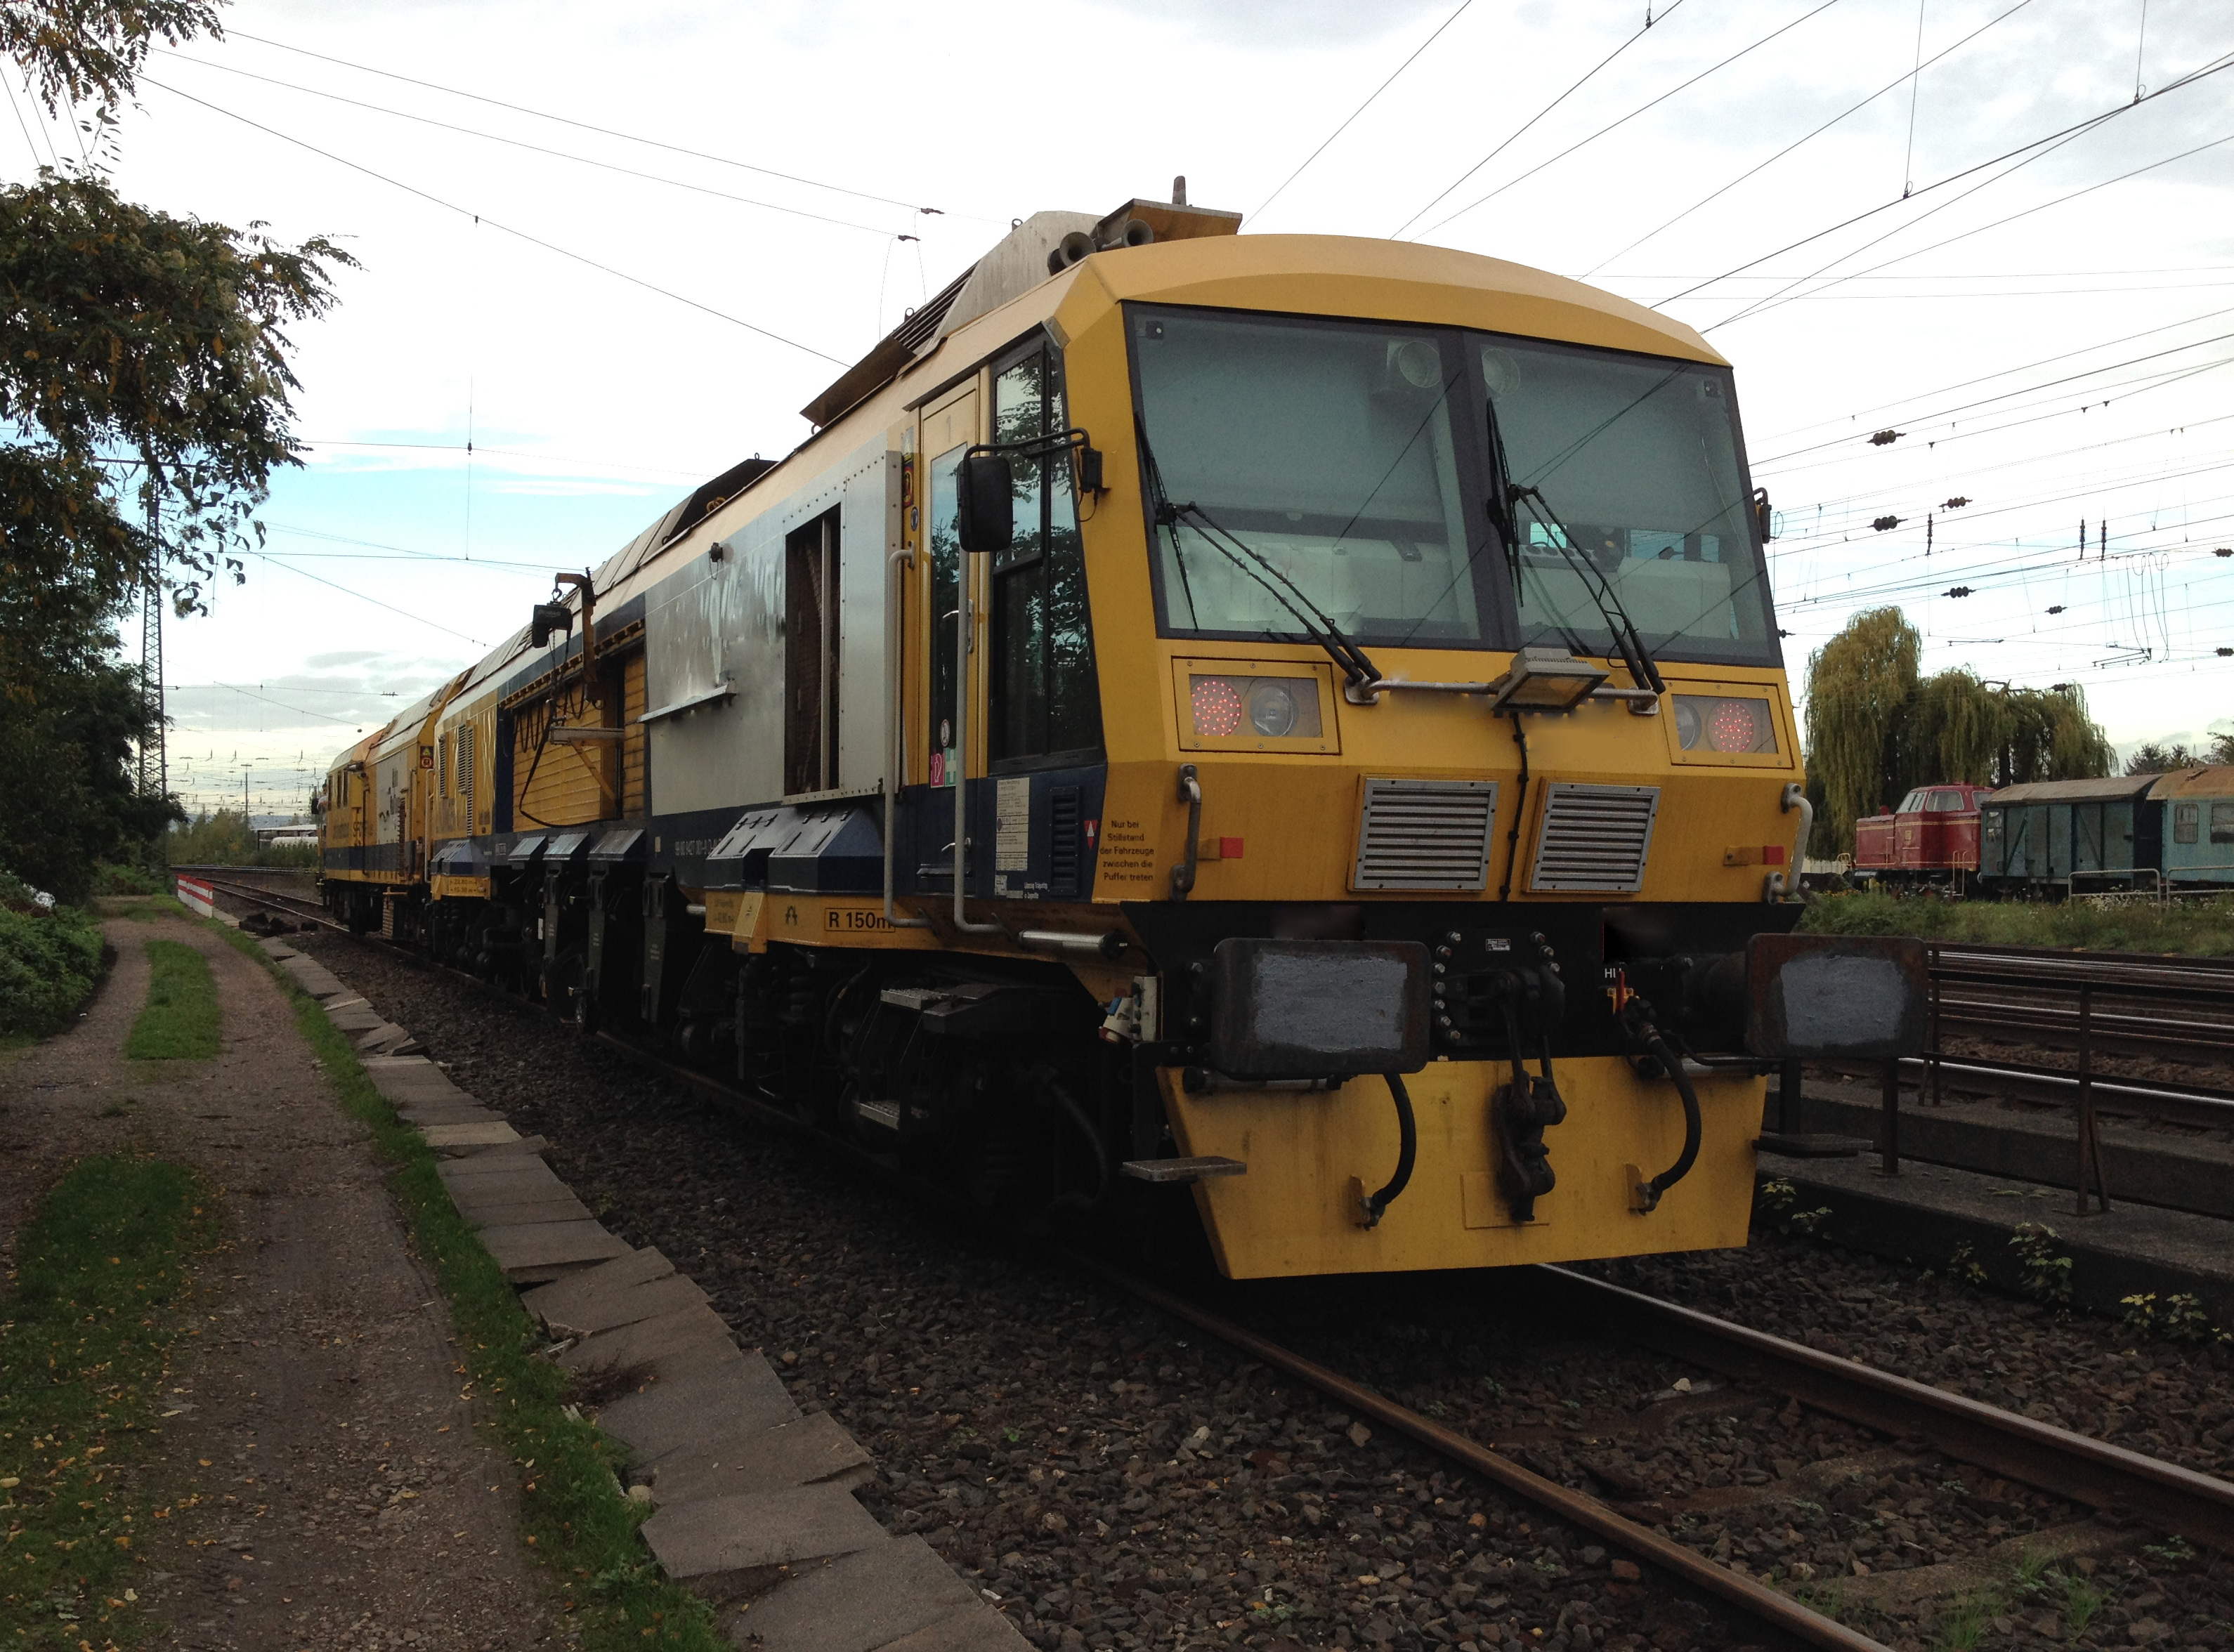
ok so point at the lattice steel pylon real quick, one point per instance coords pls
(154, 753)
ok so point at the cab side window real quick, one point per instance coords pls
(1045, 703)
(2184, 819)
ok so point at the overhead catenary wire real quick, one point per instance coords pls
(535, 148)
(1642, 109)
(2215, 66)
(278, 562)
(1323, 143)
(585, 125)
(1774, 300)
(532, 240)
(1934, 417)
(1523, 127)
(1889, 86)
(2006, 372)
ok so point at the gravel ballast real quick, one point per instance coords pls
(1111, 1480)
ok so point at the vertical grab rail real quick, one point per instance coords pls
(965, 642)
(895, 566)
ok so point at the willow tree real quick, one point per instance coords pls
(1876, 728)
(1859, 687)
(2048, 736)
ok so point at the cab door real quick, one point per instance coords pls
(1043, 706)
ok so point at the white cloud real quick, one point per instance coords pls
(1006, 108)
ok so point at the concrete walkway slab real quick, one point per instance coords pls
(512, 1213)
(979, 1628)
(646, 1340)
(725, 1545)
(469, 1135)
(429, 1113)
(637, 1268)
(868, 1599)
(810, 1452)
(540, 1245)
(611, 1294)
(667, 1415)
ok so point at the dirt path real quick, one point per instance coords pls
(326, 1487)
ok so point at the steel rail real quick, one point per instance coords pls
(2193, 1105)
(1981, 951)
(293, 905)
(1755, 1599)
(2054, 1025)
(2056, 1460)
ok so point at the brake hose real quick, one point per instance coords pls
(1407, 1146)
(1637, 1022)
(1672, 1064)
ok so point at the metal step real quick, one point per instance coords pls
(1182, 1169)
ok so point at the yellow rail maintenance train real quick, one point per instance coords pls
(1289, 723)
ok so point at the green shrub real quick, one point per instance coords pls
(50, 962)
(129, 880)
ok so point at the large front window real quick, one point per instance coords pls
(1321, 461)
(1428, 486)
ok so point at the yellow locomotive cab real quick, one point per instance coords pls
(1281, 732)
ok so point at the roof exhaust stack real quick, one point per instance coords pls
(1179, 190)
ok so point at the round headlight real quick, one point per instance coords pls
(1686, 724)
(1271, 709)
(1217, 708)
(1733, 726)
(1501, 371)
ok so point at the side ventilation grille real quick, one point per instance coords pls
(1425, 834)
(1595, 838)
(1064, 844)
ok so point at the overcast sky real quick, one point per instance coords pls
(804, 139)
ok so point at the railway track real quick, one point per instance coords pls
(228, 880)
(2073, 1466)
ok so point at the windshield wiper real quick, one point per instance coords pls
(1357, 666)
(1642, 668)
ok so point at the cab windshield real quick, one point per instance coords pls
(1426, 486)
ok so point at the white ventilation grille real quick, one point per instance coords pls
(1425, 834)
(1595, 838)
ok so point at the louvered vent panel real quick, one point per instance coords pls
(1065, 841)
(1595, 838)
(1425, 834)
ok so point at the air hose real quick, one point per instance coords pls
(1070, 1109)
(1635, 1019)
(1407, 1147)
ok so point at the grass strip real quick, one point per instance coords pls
(2197, 928)
(100, 1295)
(575, 1517)
(181, 1020)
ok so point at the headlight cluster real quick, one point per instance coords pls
(1229, 707)
(1721, 723)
